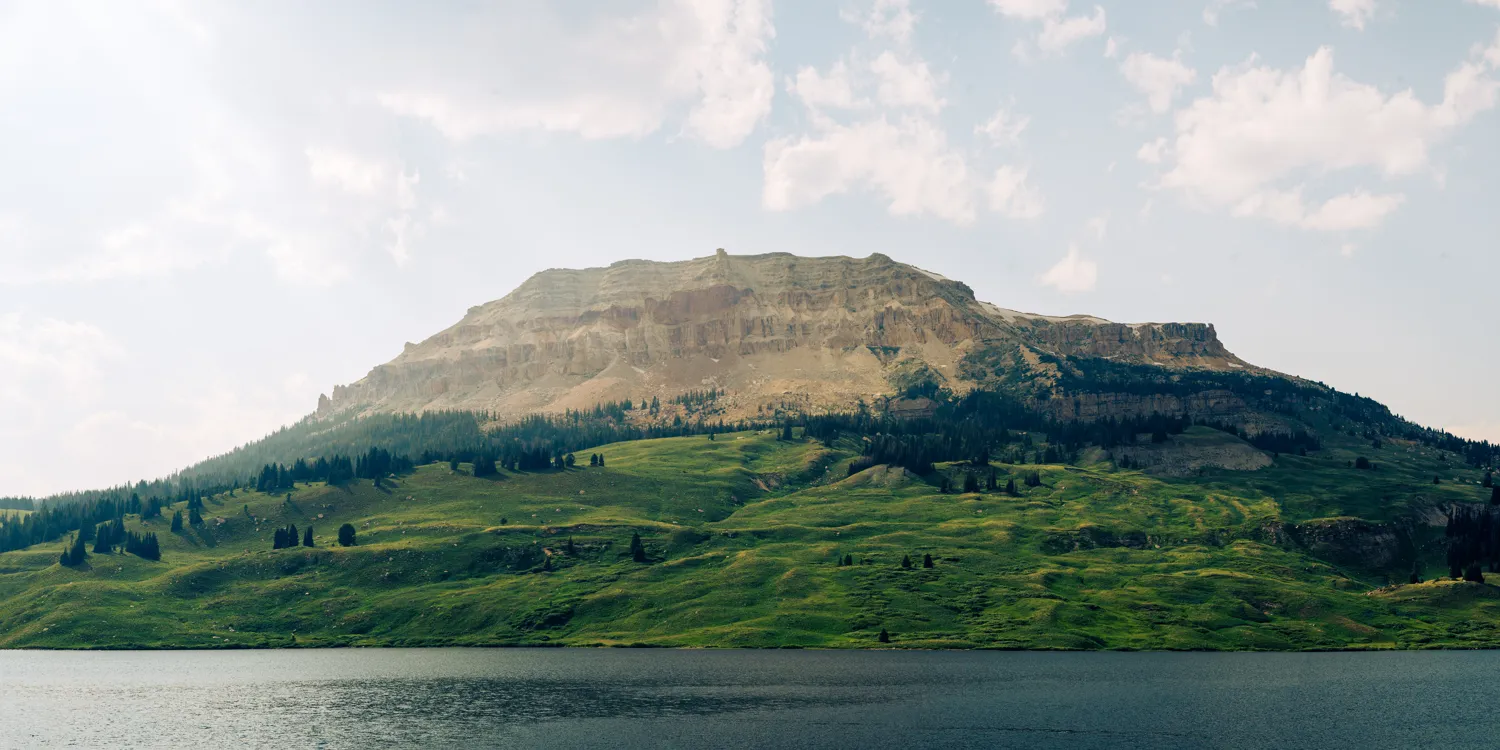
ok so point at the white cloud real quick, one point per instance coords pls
(1059, 30)
(1342, 213)
(1030, 10)
(906, 82)
(383, 197)
(1111, 47)
(1011, 195)
(1488, 3)
(1353, 13)
(1003, 128)
(1098, 226)
(872, 129)
(1216, 8)
(1159, 78)
(1262, 127)
(889, 19)
(1151, 153)
(46, 360)
(833, 89)
(908, 163)
(1073, 274)
(1060, 33)
(616, 78)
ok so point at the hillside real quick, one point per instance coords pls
(744, 534)
(1077, 484)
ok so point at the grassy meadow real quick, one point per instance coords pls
(745, 534)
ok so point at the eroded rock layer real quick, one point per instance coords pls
(770, 330)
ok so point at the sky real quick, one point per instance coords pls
(211, 212)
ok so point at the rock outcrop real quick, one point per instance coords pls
(769, 330)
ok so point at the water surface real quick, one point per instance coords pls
(556, 698)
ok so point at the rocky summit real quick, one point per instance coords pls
(769, 331)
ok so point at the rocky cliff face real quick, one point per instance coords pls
(768, 329)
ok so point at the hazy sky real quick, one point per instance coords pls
(212, 212)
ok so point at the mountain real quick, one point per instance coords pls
(770, 331)
(770, 451)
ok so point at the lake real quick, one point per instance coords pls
(628, 698)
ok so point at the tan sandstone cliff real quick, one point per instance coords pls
(768, 329)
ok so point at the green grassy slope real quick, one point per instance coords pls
(744, 533)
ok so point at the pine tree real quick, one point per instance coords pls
(884, 637)
(971, 483)
(307, 539)
(102, 539)
(1495, 496)
(569, 548)
(1473, 573)
(195, 518)
(906, 562)
(176, 521)
(77, 553)
(1489, 480)
(927, 561)
(786, 431)
(569, 461)
(278, 539)
(346, 535)
(1010, 488)
(292, 537)
(601, 459)
(848, 559)
(637, 549)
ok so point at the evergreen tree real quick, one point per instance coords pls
(1010, 488)
(593, 459)
(77, 554)
(848, 559)
(1489, 480)
(637, 549)
(346, 535)
(102, 540)
(884, 637)
(292, 537)
(971, 483)
(278, 539)
(569, 548)
(195, 518)
(786, 431)
(1473, 573)
(927, 561)
(176, 521)
(307, 538)
(906, 562)
(993, 483)
(1495, 496)
(452, 464)
(601, 459)
(569, 461)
